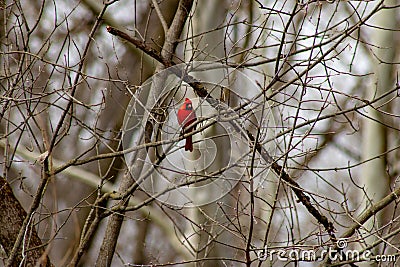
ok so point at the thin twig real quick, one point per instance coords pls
(160, 16)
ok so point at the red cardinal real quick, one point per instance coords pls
(186, 116)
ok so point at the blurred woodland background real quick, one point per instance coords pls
(329, 159)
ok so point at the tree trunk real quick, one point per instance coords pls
(374, 172)
(11, 218)
(109, 243)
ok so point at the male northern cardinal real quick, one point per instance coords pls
(186, 117)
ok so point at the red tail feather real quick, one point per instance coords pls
(189, 144)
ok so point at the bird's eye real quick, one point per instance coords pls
(189, 106)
